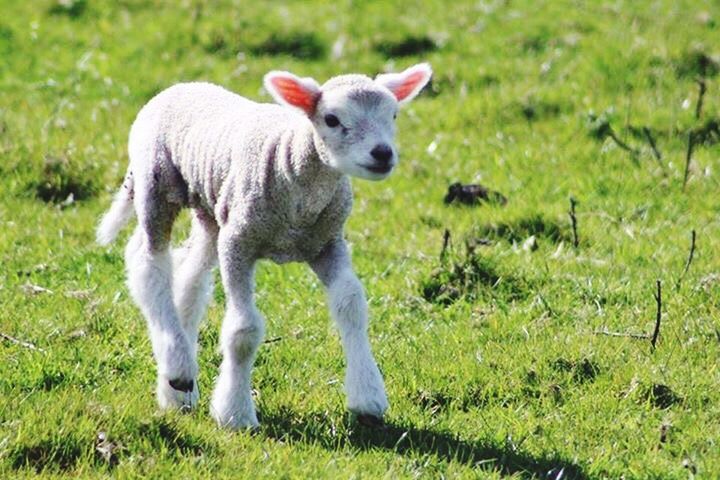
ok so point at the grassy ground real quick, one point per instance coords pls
(492, 356)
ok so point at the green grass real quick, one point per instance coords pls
(502, 373)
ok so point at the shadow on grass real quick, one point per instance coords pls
(319, 429)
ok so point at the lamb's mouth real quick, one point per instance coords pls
(380, 169)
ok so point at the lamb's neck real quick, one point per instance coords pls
(303, 165)
(306, 174)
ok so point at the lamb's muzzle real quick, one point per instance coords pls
(263, 181)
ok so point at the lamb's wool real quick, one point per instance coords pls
(246, 163)
(264, 181)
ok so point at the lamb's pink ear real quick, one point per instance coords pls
(406, 85)
(288, 89)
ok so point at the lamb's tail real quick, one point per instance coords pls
(119, 214)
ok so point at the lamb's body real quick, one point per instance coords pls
(238, 158)
(264, 181)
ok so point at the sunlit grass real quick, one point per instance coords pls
(511, 373)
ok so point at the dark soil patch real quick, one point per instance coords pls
(584, 370)
(533, 109)
(407, 46)
(708, 133)
(60, 180)
(661, 396)
(51, 380)
(301, 45)
(520, 229)
(697, 62)
(473, 194)
(473, 277)
(56, 453)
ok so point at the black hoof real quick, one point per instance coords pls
(370, 421)
(182, 385)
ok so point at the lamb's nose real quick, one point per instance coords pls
(382, 153)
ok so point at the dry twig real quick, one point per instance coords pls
(573, 219)
(701, 96)
(446, 244)
(653, 145)
(621, 144)
(688, 157)
(605, 331)
(688, 262)
(22, 343)
(658, 316)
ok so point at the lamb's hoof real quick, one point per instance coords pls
(182, 385)
(370, 421)
(247, 424)
(177, 394)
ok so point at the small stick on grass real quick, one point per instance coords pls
(446, 243)
(688, 262)
(621, 144)
(653, 145)
(688, 157)
(701, 96)
(605, 331)
(22, 343)
(573, 219)
(658, 316)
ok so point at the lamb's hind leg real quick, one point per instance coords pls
(149, 272)
(192, 278)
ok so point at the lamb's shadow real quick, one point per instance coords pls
(319, 429)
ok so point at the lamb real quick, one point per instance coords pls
(264, 181)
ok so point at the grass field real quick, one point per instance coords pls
(508, 357)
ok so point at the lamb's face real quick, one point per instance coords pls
(356, 125)
(353, 115)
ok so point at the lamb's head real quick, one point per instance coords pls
(353, 115)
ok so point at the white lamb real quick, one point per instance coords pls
(263, 181)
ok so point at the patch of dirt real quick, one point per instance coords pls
(472, 277)
(584, 370)
(533, 109)
(62, 182)
(660, 396)
(518, 230)
(56, 453)
(300, 45)
(407, 46)
(698, 62)
(473, 194)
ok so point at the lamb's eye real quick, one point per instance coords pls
(394, 116)
(331, 120)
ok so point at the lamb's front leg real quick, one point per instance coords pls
(242, 331)
(348, 306)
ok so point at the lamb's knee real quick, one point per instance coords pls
(347, 299)
(241, 341)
